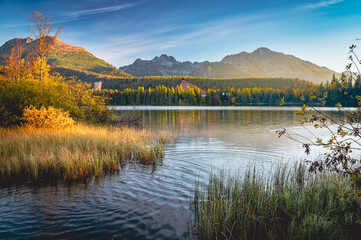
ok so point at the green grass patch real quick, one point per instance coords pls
(76, 62)
(79, 60)
(287, 204)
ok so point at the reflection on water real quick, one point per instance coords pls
(141, 203)
(233, 137)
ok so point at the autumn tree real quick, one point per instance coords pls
(41, 32)
(14, 64)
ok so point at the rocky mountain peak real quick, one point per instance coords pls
(28, 44)
(262, 50)
(138, 60)
(64, 47)
(163, 65)
(164, 59)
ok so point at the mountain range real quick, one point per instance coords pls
(261, 63)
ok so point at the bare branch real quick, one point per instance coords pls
(41, 32)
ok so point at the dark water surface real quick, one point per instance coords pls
(152, 202)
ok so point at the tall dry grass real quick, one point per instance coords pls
(73, 153)
(288, 204)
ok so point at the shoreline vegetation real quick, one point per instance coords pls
(41, 135)
(74, 153)
(287, 204)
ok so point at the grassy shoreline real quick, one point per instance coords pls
(288, 204)
(75, 153)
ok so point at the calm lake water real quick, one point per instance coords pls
(152, 202)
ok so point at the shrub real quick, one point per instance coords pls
(72, 95)
(47, 118)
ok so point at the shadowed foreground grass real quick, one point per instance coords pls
(289, 204)
(75, 153)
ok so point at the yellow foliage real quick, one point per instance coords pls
(50, 118)
(41, 66)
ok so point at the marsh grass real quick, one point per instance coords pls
(74, 153)
(287, 204)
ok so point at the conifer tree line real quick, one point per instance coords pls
(343, 90)
(163, 96)
(201, 82)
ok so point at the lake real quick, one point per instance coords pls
(152, 202)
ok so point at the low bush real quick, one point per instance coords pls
(50, 118)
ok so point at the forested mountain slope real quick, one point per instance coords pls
(65, 58)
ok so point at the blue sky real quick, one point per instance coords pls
(119, 31)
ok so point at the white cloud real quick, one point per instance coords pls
(321, 4)
(71, 15)
(124, 49)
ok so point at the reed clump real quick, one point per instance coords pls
(289, 204)
(73, 153)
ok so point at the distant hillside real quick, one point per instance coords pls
(262, 63)
(67, 58)
(222, 70)
(267, 63)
